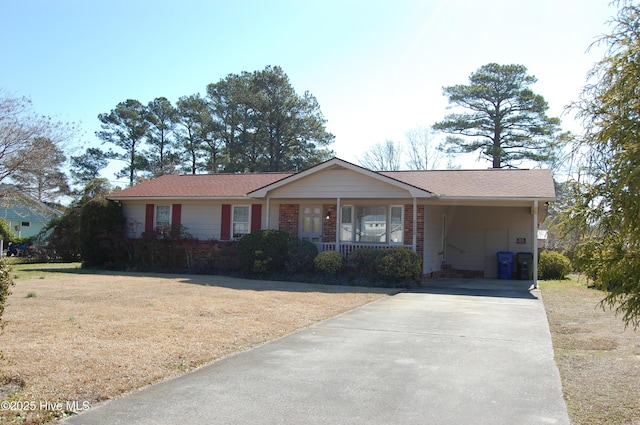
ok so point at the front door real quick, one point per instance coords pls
(311, 223)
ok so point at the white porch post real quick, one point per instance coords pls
(268, 213)
(534, 234)
(414, 242)
(338, 223)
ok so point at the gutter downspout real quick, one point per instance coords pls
(414, 242)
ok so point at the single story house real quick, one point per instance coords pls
(25, 215)
(456, 220)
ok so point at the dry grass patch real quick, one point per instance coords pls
(91, 337)
(598, 359)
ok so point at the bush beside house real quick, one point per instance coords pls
(553, 265)
(329, 263)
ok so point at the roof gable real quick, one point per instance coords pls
(18, 205)
(339, 164)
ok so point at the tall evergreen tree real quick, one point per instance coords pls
(126, 127)
(265, 124)
(87, 167)
(161, 117)
(507, 122)
(191, 112)
(606, 206)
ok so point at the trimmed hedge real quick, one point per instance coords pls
(398, 265)
(300, 256)
(263, 251)
(329, 262)
(363, 261)
(553, 265)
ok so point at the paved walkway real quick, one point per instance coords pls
(457, 352)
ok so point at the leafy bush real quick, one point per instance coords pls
(300, 255)
(60, 239)
(397, 265)
(5, 284)
(263, 251)
(5, 230)
(101, 232)
(553, 265)
(364, 260)
(329, 262)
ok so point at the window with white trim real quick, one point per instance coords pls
(240, 221)
(163, 217)
(376, 224)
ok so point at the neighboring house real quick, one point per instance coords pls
(456, 220)
(25, 214)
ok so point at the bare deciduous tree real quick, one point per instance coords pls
(423, 152)
(20, 127)
(383, 157)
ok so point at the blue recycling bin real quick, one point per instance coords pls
(505, 264)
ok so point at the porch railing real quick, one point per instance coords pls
(348, 248)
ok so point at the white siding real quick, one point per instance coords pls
(339, 183)
(201, 219)
(134, 213)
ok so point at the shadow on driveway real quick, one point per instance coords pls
(481, 288)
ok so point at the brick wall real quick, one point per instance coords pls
(329, 226)
(408, 228)
(288, 218)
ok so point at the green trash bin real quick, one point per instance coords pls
(524, 266)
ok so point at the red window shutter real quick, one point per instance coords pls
(256, 217)
(225, 226)
(148, 219)
(176, 214)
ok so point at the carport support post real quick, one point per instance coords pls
(534, 236)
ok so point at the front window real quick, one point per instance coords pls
(241, 221)
(163, 217)
(371, 224)
(346, 229)
(380, 224)
(396, 231)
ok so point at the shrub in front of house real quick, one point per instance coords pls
(300, 255)
(329, 262)
(553, 265)
(363, 261)
(263, 251)
(399, 265)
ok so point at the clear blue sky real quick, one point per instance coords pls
(377, 68)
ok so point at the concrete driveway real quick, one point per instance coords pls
(456, 352)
